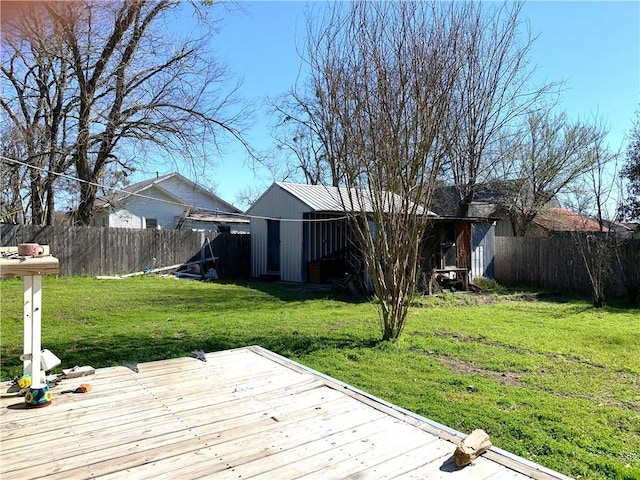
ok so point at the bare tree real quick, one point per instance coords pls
(13, 207)
(39, 111)
(300, 133)
(380, 86)
(493, 90)
(300, 141)
(593, 196)
(552, 152)
(596, 193)
(630, 207)
(131, 82)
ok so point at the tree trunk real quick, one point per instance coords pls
(51, 206)
(37, 208)
(84, 213)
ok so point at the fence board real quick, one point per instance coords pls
(112, 251)
(555, 263)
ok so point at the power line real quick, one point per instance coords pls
(186, 205)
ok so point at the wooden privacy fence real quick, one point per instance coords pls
(95, 251)
(556, 263)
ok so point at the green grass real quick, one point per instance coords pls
(552, 380)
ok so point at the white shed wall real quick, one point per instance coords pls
(292, 268)
(278, 204)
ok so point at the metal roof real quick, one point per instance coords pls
(322, 198)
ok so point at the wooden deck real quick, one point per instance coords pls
(242, 413)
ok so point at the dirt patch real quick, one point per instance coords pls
(504, 378)
(462, 299)
(461, 337)
(558, 297)
(515, 348)
(480, 297)
(511, 379)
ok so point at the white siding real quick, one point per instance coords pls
(124, 219)
(292, 268)
(155, 207)
(166, 201)
(477, 262)
(278, 204)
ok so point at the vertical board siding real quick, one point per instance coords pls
(94, 251)
(278, 204)
(258, 247)
(556, 263)
(292, 268)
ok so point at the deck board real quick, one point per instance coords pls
(244, 413)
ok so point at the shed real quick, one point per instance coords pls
(299, 233)
(293, 225)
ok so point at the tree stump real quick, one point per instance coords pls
(471, 447)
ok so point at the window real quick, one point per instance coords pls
(152, 223)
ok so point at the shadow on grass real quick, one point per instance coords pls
(287, 291)
(140, 348)
(250, 294)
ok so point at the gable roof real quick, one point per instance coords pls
(133, 189)
(489, 198)
(326, 199)
(138, 189)
(563, 220)
(319, 198)
(486, 195)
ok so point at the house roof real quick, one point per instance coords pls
(218, 218)
(563, 220)
(129, 190)
(139, 188)
(486, 197)
(321, 198)
(489, 198)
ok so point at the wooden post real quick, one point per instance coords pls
(27, 324)
(31, 270)
(36, 331)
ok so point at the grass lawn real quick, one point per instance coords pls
(553, 381)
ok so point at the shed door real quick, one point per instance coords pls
(273, 246)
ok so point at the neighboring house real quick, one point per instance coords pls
(489, 203)
(624, 229)
(634, 228)
(298, 234)
(170, 202)
(553, 221)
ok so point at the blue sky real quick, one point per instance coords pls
(593, 46)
